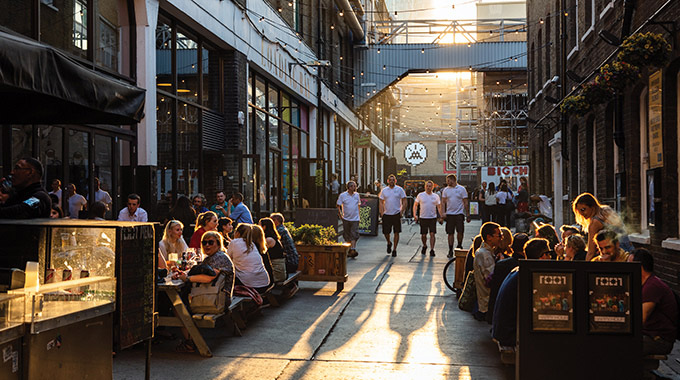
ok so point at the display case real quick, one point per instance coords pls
(11, 333)
(116, 260)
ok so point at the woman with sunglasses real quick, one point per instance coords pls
(248, 264)
(593, 217)
(217, 259)
(206, 221)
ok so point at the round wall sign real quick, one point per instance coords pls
(415, 153)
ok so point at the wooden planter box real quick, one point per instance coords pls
(327, 263)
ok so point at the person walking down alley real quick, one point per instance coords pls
(348, 210)
(430, 205)
(456, 207)
(392, 206)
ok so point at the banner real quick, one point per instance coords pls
(509, 173)
(363, 140)
(655, 132)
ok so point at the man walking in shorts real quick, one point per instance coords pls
(392, 206)
(348, 210)
(455, 204)
(430, 204)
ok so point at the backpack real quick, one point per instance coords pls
(468, 297)
(209, 298)
(490, 199)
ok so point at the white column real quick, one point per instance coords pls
(556, 151)
(331, 142)
(348, 150)
(147, 18)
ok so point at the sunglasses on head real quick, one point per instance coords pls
(208, 242)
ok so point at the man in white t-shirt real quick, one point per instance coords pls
(348, 210)
(392, 206)
(101, 195)
(455, 205)
(133, 213)
(430, 205)
(76, 202)
(56, 189)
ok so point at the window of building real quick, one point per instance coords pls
(570, 16)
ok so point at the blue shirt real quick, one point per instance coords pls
(504, 324)
(241, 214)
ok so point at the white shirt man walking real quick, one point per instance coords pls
(430, 204)
(348, 210)
(455, 204)
(392, 206)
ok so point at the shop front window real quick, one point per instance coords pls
(22, 142)
(103, 166)
(108, 43)
(78, 161)
(273, 132)
(188, 149)
(164, 55)
(51, 155)
(187, 67)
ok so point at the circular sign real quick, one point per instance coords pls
(415, 153)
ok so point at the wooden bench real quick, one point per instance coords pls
(234, 314)
(283, 289)
(651, 362)
(507, 353)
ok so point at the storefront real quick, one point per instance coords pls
(67, 92)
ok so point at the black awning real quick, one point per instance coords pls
(41, 85)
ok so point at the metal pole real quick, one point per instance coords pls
(458, 148)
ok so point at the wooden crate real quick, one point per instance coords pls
(326, 263)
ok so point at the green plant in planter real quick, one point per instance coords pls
(595, 92)
(618, 75)
(645, 49)
(575, 105)
(313, 234)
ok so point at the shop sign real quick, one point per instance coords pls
(510, 173)
(552, 301)
(415, 153)
(655, 131)
(363, 140)
(609, 303)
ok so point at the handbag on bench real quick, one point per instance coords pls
(209, 298)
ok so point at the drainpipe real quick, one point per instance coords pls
(351, 19)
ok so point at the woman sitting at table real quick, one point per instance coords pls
(225, 226)
(206, 221)
(261, 243)
(274, 249)
(217, 259)
(248, 264)
(172, 241)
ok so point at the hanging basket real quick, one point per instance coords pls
(596, 92)
(575, 105)
(645, 49)
(618, 75)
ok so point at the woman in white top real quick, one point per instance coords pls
(503, 200)
(248, 264)
(172, 242)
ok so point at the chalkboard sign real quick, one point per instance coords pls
(326, 217)
(136, 277)
(368, 216)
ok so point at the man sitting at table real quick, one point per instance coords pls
(215, 256)
(608, 246)
(659, 309)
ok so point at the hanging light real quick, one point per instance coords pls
(378, 50)
(422, 51)
(341, 13)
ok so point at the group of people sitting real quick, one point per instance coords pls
(495, 254)
(255, 256)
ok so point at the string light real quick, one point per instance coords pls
(540, 21)
(422, 51)
(378, 50)
(279, 9)
(341, 13)
(384, 67)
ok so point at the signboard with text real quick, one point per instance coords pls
(609, 303)
(509, 173)
(553, 295)
(655, 133)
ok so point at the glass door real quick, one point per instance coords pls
(249, 183)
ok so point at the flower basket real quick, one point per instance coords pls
(596, 92)
(575, 105)
(645, 49)
(618, 75)
(312, 234)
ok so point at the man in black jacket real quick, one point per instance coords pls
(29, 200)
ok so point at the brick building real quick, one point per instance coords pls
(607, 151)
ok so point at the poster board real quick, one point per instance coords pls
(609, 303)
(552, 301)
(368, 215)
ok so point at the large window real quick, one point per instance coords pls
(277, 133)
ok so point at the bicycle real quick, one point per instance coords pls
(449, 274)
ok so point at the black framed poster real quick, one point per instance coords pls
(553, 301)
(609, 303)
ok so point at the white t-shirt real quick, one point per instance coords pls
(392, 198)
(58, 194)
(428, 205)
(350, 205)
(104, 197)
(454, 199)
(76, 202)
(248, 264)
(139, 216)
(502, 197)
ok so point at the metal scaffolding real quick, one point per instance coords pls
(503, 129)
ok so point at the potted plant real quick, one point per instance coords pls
(645, 49)
(595, 92)
(322, 258)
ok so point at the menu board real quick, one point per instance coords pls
(552, 301)
(368, 216)
(609, 303)
(136, 276)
